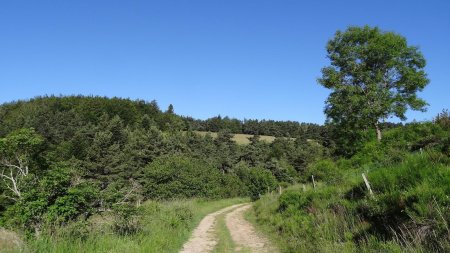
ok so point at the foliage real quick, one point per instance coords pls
(178, 176)
(374, 75)
(325, 170)
(163, 227)
(126, 219)
(258, 180)
(407, 213)
(17, 151)
(412, 195)
(96, 160)
(54, 200)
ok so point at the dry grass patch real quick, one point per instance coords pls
(241, 139)
(10, 241)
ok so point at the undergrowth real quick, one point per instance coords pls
(409, 173)
(154, 227)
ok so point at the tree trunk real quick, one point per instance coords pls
(377, 127)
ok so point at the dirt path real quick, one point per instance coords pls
(244, 234)
(204, 237)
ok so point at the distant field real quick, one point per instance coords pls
(241, 138)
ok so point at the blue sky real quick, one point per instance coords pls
(243, 58)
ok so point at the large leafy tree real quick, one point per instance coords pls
(374, 75)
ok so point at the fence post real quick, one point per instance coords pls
(367, 184)
(279, 190)
(314, 182)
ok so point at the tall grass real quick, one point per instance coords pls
(410, 211)
(162, 227)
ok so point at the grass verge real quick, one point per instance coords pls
(163, 227)
(264, 228)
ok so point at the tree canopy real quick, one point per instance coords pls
(374, 75)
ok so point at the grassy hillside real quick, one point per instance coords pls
(409, 173)
(241, 139)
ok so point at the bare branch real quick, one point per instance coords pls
(16, 173)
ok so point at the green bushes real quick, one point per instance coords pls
(325, 170)
(256, 180)
(413, 171)
(127, 219)
(154, 227)
(294, 201)
(178, 176)
(409, 173)
(51, 201)
(408, 212)
(410, 198)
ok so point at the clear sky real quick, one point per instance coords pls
(242, 58)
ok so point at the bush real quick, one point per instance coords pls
(258, 180)
(178, 176)
(282, 170)
(182, 217)
(294, 201)
(126, 220)
(77, 201)
(325, 170)
(411, 202)
(52, 201)
(80, 229)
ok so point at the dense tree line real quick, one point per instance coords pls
(66, 158)
(90, 109)
(256, 127)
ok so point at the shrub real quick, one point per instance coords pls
(178, 176)
(182, 217)
(325, 170)
(411, 202)
(126, 220)
(79, 229)
(258, 180)
(52, 201)
(294, 201)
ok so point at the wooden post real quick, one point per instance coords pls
(304, 187)
(314, 182)
(367, 184)
(279, 189)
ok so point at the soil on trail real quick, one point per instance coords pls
(204, 238)
(244, 234)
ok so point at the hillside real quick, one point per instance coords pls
(73, 158)
(406, 208)
(110, 171)
(89, 109)
(242, 139)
